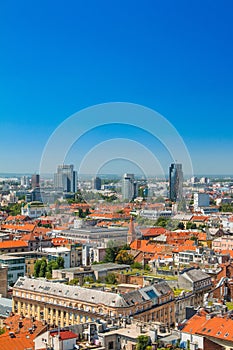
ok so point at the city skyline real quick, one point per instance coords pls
(171, 57)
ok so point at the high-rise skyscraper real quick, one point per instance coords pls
(96, 183)
(35, 180)
(65, 179)
(129, 187)
(175, 182)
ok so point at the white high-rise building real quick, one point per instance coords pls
(129, 187)
(65, 179)
(24, 181)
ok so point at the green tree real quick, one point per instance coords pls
(142, 342)
(48, 275)
(111, 252)
(52, 265)
(180, 225)
(43, 268)
(123, 257)
(161, 222)
(37, 268)
(2, 331)
(74, 282)
(191, 225)
(137, 265)
(110, 278)
(13, 209)
(60, 262)
(89, 279)
(225, 207)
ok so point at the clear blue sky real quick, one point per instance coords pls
(58, 57)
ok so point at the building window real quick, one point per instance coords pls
(110, 345)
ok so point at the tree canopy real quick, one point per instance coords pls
(123, 257)
(42, 268)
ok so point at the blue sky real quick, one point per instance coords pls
(58, 57)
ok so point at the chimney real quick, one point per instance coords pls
(131, 233)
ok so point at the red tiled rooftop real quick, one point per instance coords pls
(12, 244)
(153, 231)
(200, 218)
(22, 339)
(215, 327)
(195, 323)
(64, 335)
(23, 227)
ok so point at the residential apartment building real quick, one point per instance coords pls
(223, 243)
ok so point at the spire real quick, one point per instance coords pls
(131, 233)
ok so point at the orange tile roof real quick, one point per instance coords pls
(23, 227)
(21, 341)
(64, 334)
(148, 246)
(39, 230)
(195, 323)
(199, 218)
(228, 251)
(202, 236)
(22, 338)
(215, 327)
(153, 231)
(108, 216)
(60, 228)
(184, 248)
(59, 241)
(12, 244)
(17, 218)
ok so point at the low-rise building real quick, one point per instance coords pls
(223, 243)
(33, 209)
(65, 305)
(56, 340)
(13, 246)
(20, 333)
(54, 252)
(5, 310)
(207, 331)
(73, 273)
(195, 280)
(195, 284)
